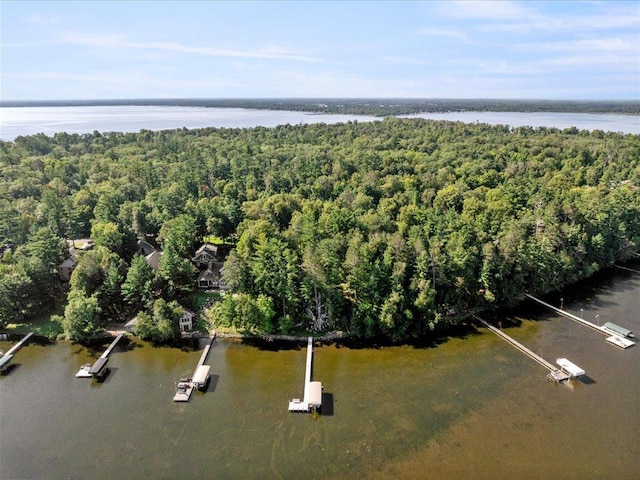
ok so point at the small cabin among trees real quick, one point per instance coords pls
(186, 321)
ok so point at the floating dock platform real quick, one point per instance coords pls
(312, 397)
(5, 359)
(555, 374)
(184, 389)
(616, 335)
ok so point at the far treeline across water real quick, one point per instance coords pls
(397, 228)
(373, 106)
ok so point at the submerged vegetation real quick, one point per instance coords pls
(392, 228)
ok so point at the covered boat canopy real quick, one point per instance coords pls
(201, 376)
(570, 367)
(314, 394)
(617, 330)
(98, 366)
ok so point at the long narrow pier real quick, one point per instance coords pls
(205, 352)
(618, 336)
(567, 314)
(555, 372)
(19, 345)
(107, 352)
(5, 359)
(312, 397)
(307, 372)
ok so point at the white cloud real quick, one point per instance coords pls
(408, 61)
(118, 41)
(132, 80)
(41, 19)
(443, 32)
(489, 9)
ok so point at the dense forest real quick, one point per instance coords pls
(379, 107)
(393, 228)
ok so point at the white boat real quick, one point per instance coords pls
(84, 371)
(570, 367)
(184, 389)
(297, 405)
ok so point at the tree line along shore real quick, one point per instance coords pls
(398, 228)
(376, 107)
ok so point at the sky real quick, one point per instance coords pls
(59, 50)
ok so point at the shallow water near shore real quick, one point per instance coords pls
(469, 407)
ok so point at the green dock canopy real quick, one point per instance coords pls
(617, 329)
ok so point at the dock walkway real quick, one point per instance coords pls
(555, 373)
(612, 336)
(5, 359)
(312, 396)
(19, 345)
(109, 349)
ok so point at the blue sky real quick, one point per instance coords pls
(451, 49)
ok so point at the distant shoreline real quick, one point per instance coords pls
(364, 106)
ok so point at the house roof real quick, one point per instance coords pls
(145, 247)
(209, 248)
(207, 275)
(68, 263)
(132, 322)
(153, 259)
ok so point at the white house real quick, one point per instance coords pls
(186, 321)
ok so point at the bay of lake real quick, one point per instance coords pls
(15, 121)
(470, 406)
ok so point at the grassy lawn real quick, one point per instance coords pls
(41, 324)
(200, 299)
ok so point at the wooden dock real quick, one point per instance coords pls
(612, 337)
(555, 374)
(199, 379)
(5, 359)
(99, 369)
(107, 352)
(312, 396)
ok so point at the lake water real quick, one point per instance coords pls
(582, 121)
(15, 121)
(468, 407)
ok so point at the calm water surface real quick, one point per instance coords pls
(582, 121)
(16, 121)
(470, 407)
